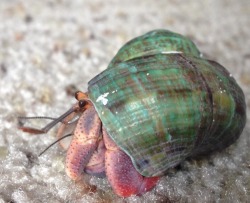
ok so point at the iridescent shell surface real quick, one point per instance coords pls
(161, 102)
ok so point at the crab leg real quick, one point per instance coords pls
(65, 129)
(83, 144)
(122, 175)
(96, 165)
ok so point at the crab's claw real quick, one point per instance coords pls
(121, 173)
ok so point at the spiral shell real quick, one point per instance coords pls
(161, 102)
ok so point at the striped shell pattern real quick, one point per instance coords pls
(161, 102)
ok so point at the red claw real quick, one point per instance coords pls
(121, 173)
(123, 177)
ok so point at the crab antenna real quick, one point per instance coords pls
(36, 117)
(55, 143)
(50, 125)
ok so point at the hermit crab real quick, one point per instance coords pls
(158, 103)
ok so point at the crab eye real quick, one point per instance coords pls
(82, 103)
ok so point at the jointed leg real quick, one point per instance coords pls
(96, 165)
(83, 144)
(66, 128)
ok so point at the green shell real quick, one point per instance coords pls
(161, 102)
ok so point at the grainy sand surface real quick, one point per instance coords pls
(46, 47)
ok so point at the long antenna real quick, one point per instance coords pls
(46, 128)
(55, 143)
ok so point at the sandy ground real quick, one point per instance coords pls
(49, 47)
